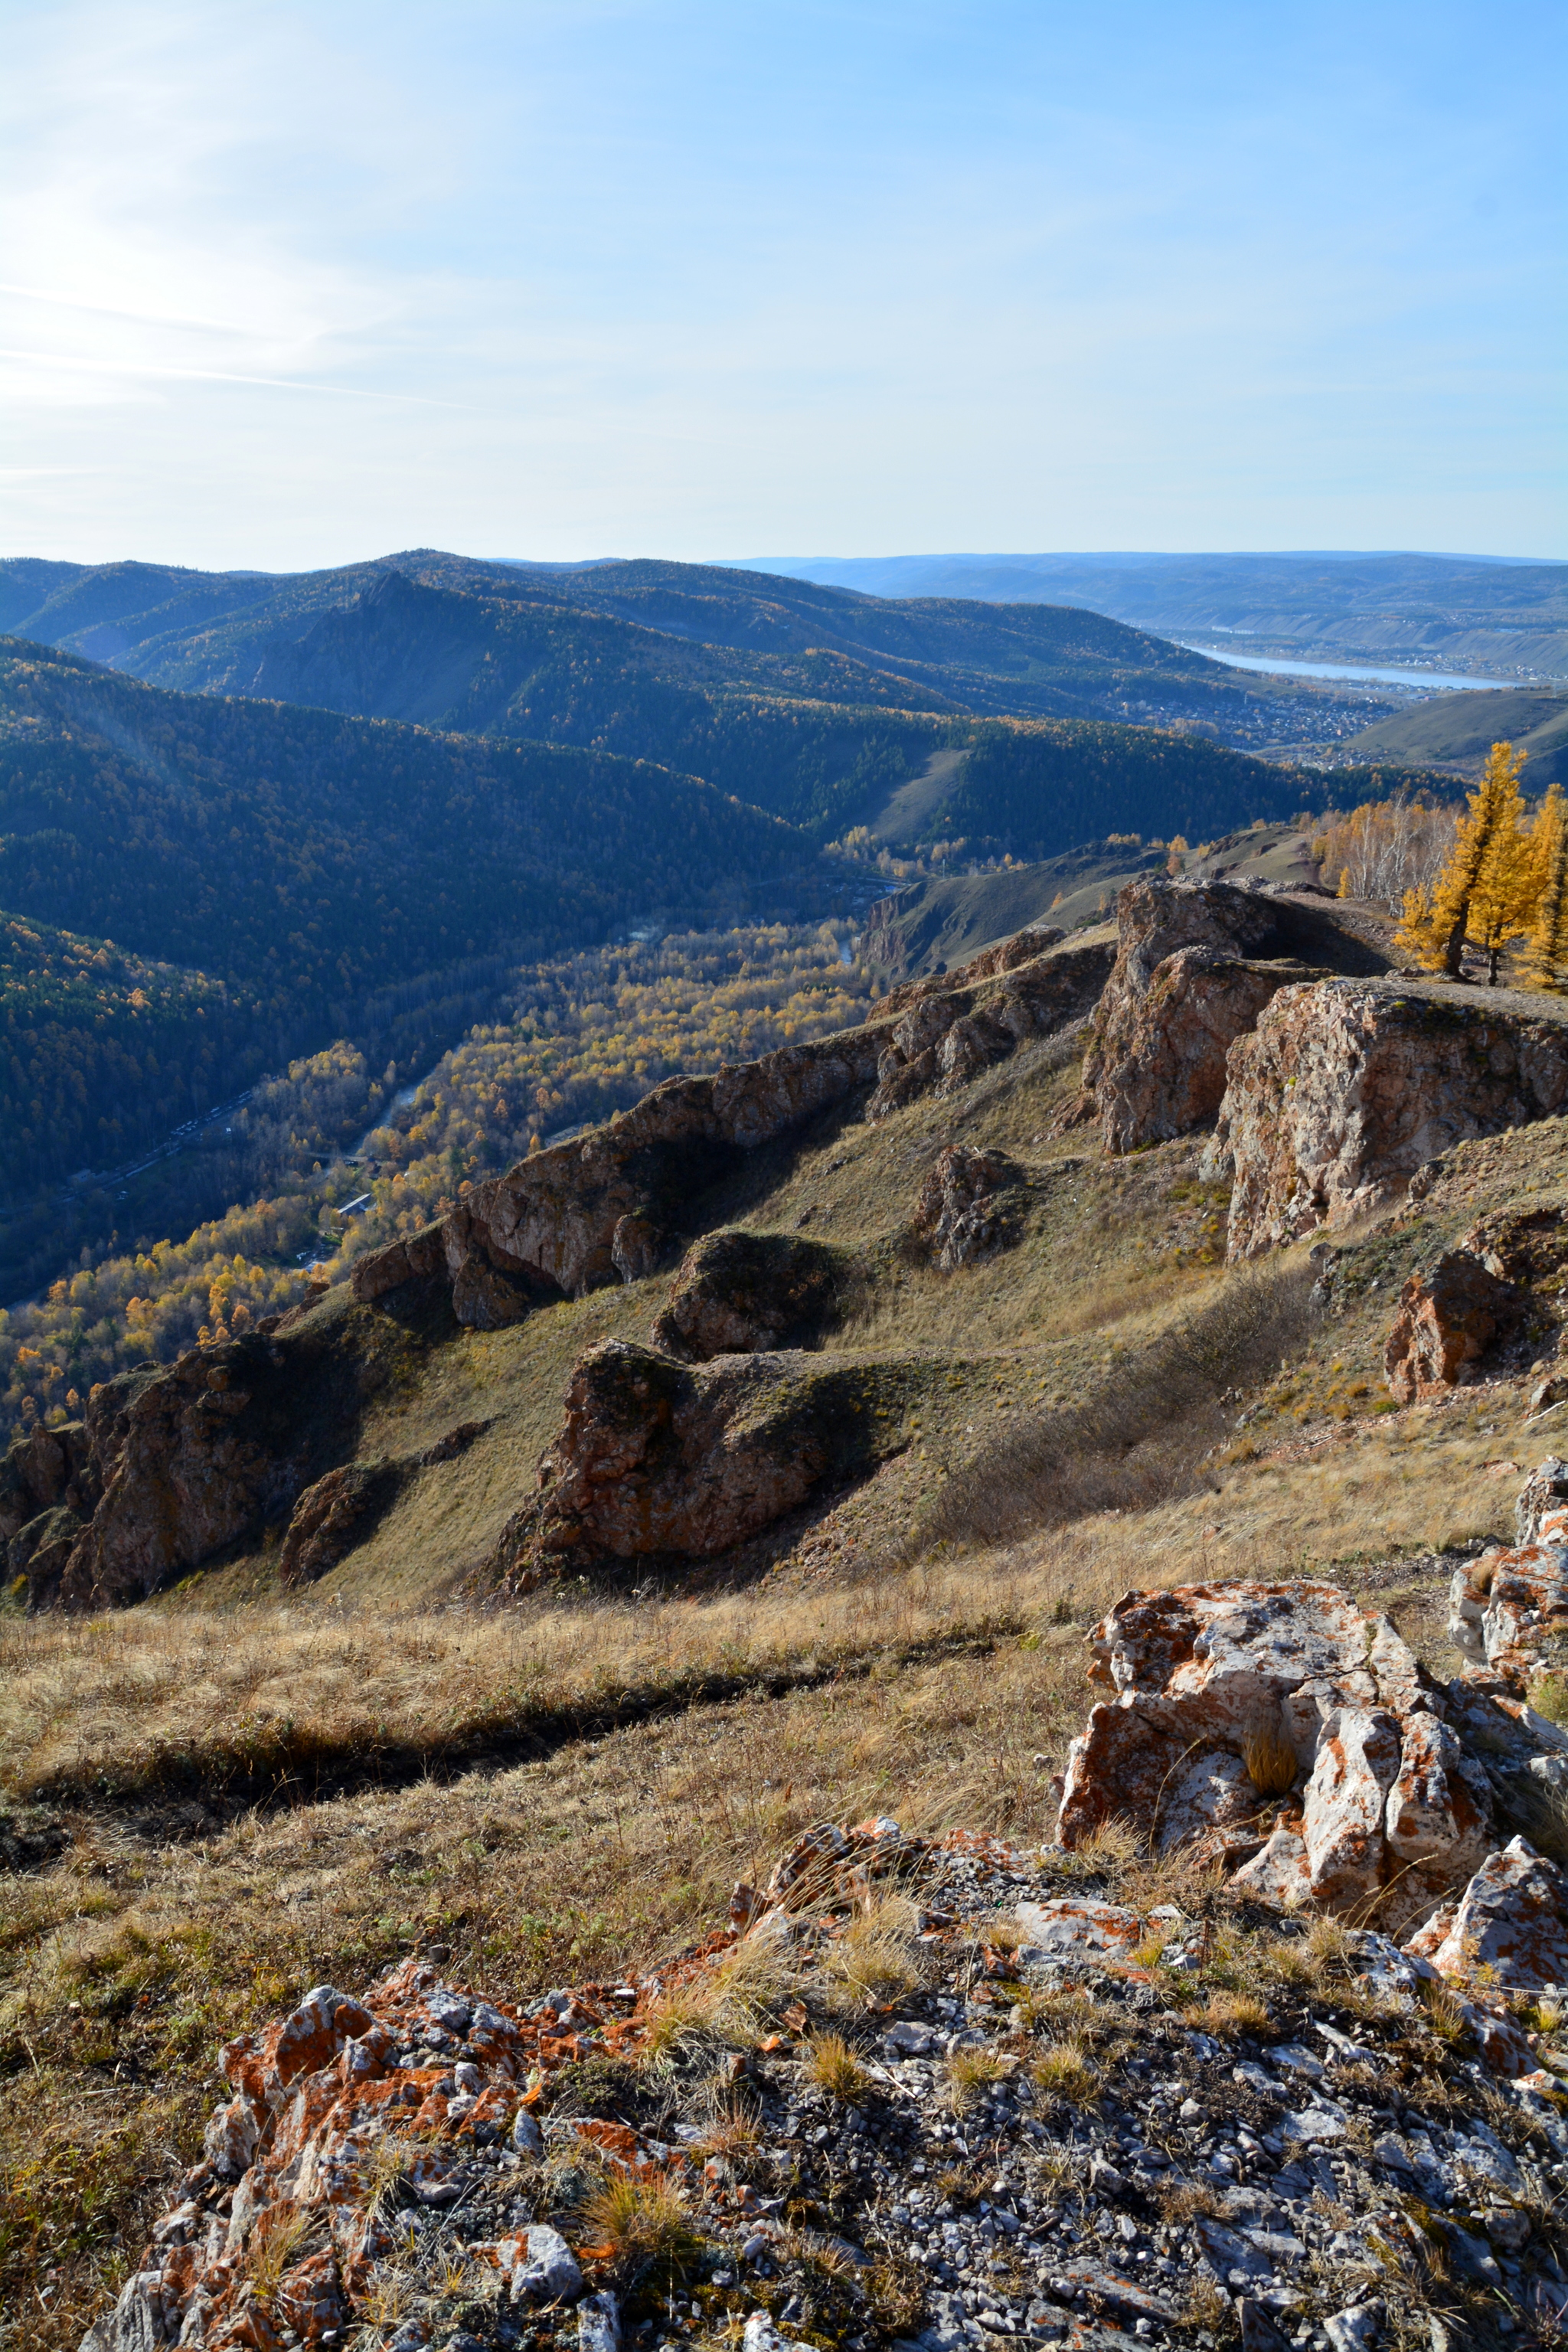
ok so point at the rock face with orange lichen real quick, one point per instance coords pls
(1449, 1317)
(415, 2165)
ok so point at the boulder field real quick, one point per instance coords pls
(1257, 2041)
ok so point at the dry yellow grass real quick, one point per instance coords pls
(831, 2061)
(151, 1939)
(879, 1958)
(1065, 2071)
(609, 1854)
(1271, 1763)
(968, 2070)
(1234, 2013)
(267, 1693)
(642, 2221)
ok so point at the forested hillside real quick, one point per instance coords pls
(348, 802)
(320, 870)
(815, 733)
(214, 630)
(1036, 788)
(100, 1051)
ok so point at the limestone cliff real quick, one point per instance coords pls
(1345, 1089)
(1196, 964)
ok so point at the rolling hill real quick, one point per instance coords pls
(1459, 730)
(214, 631)
(814, 703)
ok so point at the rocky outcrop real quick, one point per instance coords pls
(42, 1471)
(1509, 1606)
(49, 1486)
(177, 1466)
(191, 1459)
(659, 1458)
(1526, 1246)
(1449, 1317)
(418, 1259)
(338, 1512)
(954, 1031)
(1196, 964)
(609, 1205)
(550, 1226)
(739, 1293)
(418, 2150)
(1344, 1089)
(1022, 947)
(341, 1510)
(1162, 1066)
(1511, 1923)
(637, 1247)
(959, 1214)
(1280, 1731)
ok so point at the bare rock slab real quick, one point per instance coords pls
(1345, 1088)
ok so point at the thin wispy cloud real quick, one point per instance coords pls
(216, 375)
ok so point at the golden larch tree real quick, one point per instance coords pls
(1546, 955)
(1483, 893)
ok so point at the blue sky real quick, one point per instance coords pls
(287, 286)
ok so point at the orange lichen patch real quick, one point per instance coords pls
(623, 2148)
(993, 1851)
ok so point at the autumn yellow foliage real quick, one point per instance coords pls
(584, 1035)
(1546, 952)
(1485, 894)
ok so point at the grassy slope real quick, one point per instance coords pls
(945, 922)
(566, 1787)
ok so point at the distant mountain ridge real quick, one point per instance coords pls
(815, 703)
(1502, 616)
(207, 631)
